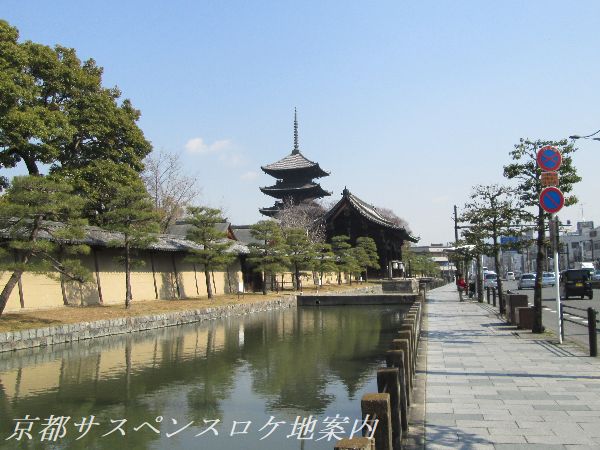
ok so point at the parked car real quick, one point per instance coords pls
(548, 279)
(576, 282)
(596, 276)
(490, 280)
(510, 276)
(527, 281)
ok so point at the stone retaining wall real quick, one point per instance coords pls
(40, 337)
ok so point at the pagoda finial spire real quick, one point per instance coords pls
(296, 145)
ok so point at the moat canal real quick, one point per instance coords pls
(177, 387)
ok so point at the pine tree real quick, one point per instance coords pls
(214, 253)
(344, 258)
(300, 252)
(130, 213)
(325, 260)
(365, 253)
(38, 215)
(268, 255)
(494, 211)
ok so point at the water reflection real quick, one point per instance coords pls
(311, 361)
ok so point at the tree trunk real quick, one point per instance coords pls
(499, 278)
(63, 287)
(538, 327)
(478, 283)
(127, 275)
(16, 275)
(31, 165)
(297, 276)
(264, 283)
(8, 288)
(209, 289)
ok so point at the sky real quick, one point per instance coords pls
(407, 104)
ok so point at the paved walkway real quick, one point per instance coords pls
(490, 386)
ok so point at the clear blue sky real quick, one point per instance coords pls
(409, 104)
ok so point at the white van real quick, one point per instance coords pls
(510, 276)
(490, 280)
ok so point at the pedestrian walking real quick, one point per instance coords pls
(461, 286)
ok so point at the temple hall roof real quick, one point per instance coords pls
(366, 210)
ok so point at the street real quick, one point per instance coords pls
(573, 331)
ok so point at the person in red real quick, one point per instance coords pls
(461, 286)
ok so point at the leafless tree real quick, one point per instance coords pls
(170, 188)
(304, 215)
(394, 218)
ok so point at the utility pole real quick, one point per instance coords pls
(455, 226)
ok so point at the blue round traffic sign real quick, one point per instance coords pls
(549, 158)
(552, 199)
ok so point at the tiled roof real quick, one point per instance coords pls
(243, 234)
(368, 211)
(98, 237)
(295, 161)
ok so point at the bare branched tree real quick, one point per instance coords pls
(304, 215)
(393, 217)
(170, 188)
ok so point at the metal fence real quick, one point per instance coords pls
(590, 318)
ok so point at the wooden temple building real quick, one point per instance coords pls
(355, 218)
(295, 176)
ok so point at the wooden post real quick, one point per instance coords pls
(378, 406)
(396, 358)
(97, 269)
(388, 382)
(359, 443)
(408, 335)
(408, 329)
(593, 338)
(404, 345)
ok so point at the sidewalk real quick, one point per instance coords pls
(490, 386)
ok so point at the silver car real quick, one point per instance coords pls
(548, 279)
(527, 281)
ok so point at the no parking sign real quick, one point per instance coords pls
(549, 160)
(552, 200)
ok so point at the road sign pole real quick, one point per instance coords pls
(554, 223)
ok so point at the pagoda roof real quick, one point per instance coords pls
(283, 189)
(270, 211)
(294, 162)
(369, 212)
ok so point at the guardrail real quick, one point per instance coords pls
(592, 324)
(385, 413)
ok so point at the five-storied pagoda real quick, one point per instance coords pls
(294, 175)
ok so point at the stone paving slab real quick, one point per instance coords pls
(491, 386)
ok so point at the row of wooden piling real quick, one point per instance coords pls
(386, 412)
